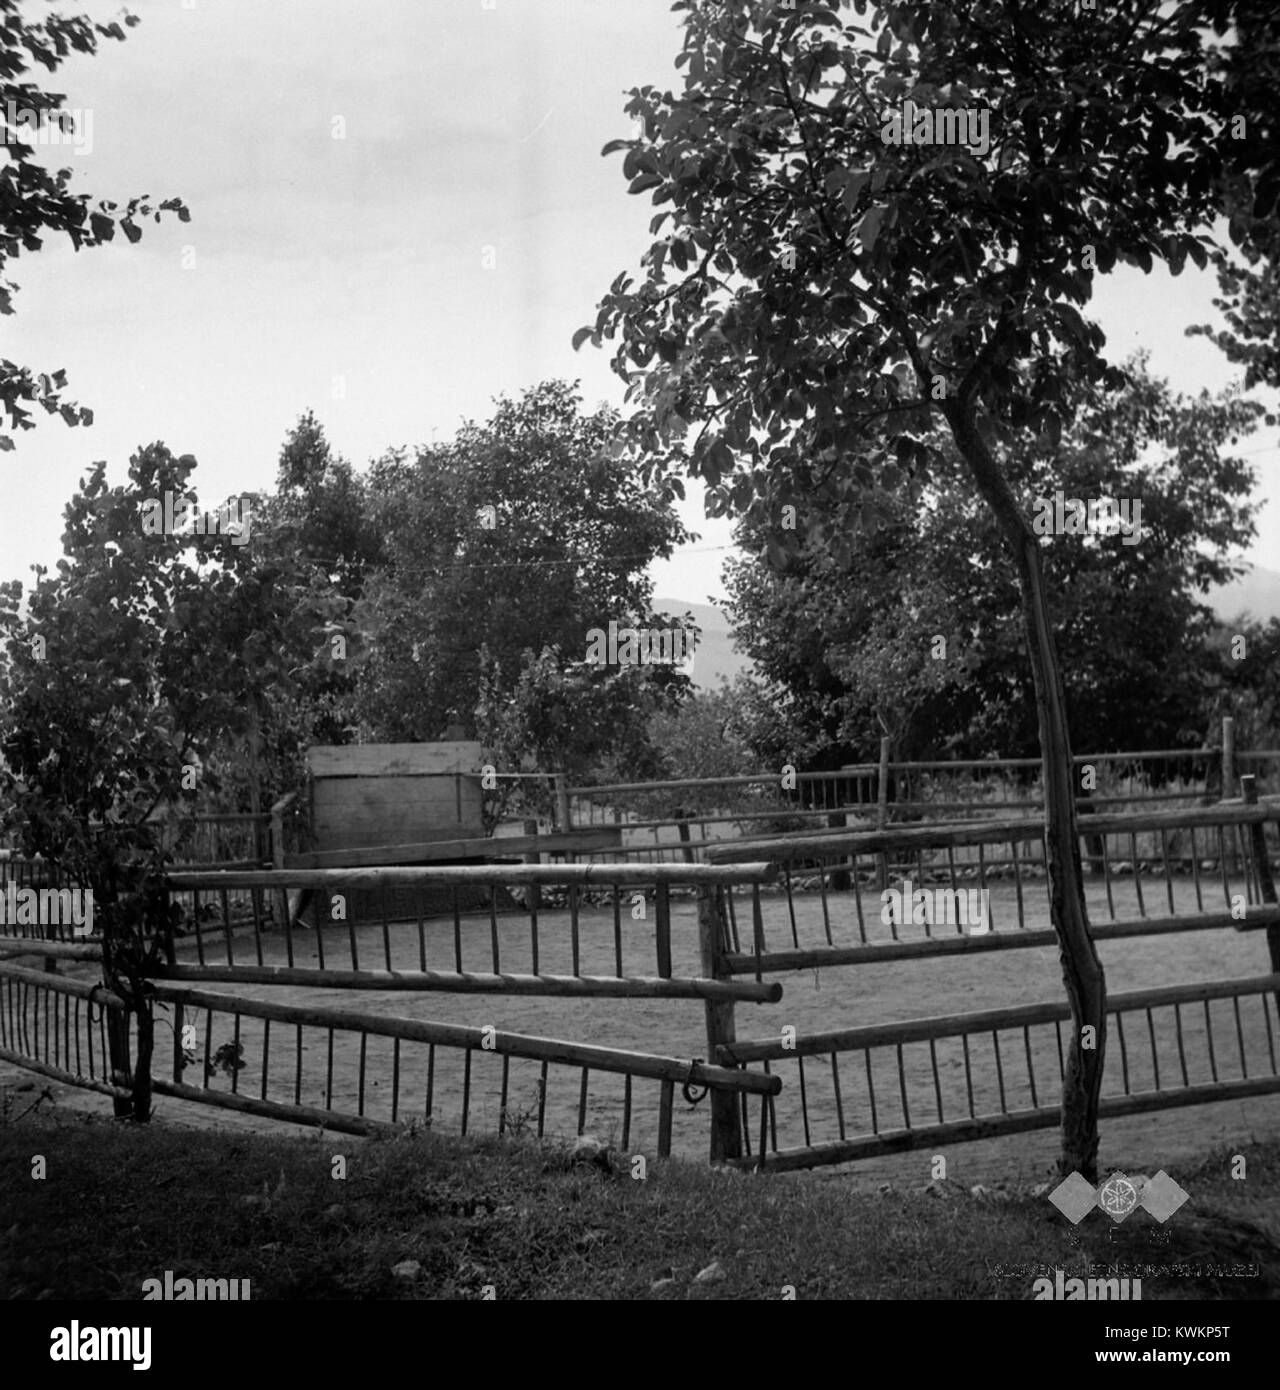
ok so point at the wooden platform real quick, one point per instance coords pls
(481, 850)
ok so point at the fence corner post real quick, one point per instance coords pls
(726, 1115)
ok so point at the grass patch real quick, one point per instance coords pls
(121, 1204)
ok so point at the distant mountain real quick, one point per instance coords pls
(1255, 594)
(715, 655)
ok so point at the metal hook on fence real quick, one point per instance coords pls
(687, 1090)
(90, 1002)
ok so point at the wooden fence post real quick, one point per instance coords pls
(682, 829)
(530, 827)
(1228, 756)
(1262, 863)
(563, 818)
(277, 855)
(179, 1022)
(662, 899)
(726, 1111)
(882, 809)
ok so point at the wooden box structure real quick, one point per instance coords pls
(414, 803)
(394, 794)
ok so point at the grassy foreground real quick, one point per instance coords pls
(424, 1217)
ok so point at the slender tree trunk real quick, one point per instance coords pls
(104, 896)
(1081, 969)
(142, 1064)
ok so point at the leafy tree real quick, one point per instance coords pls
(125, 680)
(321, 510)
(590, 723)
(1130, 619)
(822, 299)
(316, 529)
(520, 535)
(1247, 669)
(35, 199)
(702, 737)
(1250, 291)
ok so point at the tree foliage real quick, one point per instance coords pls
(820, 299)
(857, 648)
(35, 199)
(517, 537)
(130, 674)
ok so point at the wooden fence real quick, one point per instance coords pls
(675, 821)
(722, 935)
(355, 1070)
(884, 1088)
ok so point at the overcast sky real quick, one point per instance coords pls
(310, 258)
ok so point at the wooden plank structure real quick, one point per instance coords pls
(394, 794)
(414, 803)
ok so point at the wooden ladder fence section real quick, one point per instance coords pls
(429, 1057)
(915, 1063)
(955, 856)
(912, 1085)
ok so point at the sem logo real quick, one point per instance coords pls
(1076, 1197)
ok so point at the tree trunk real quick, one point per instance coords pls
(142, 1065)
(1081, 969)
(118, 1046)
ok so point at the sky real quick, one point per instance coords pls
(394, 280)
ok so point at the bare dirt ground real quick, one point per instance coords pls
(833, 998)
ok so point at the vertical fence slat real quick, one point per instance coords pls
(665, 1106)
